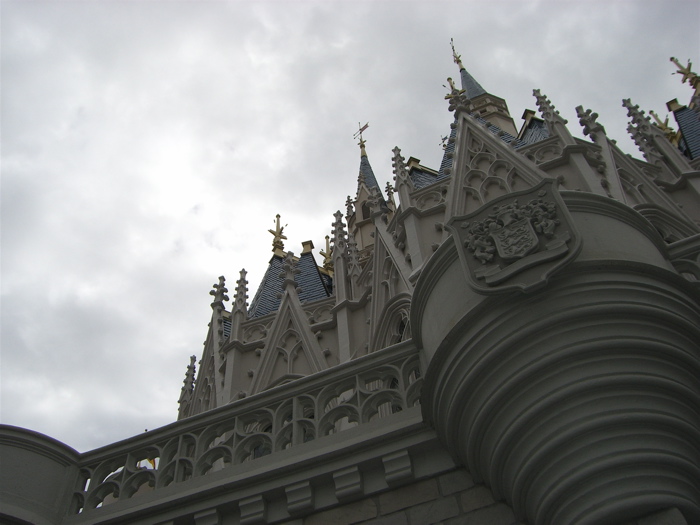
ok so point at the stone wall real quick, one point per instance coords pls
(450, 499)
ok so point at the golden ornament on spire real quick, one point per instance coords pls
(688, 76)
(358, 134)
(327, 255)
(278, 236)
(457, 58)
(671, 134)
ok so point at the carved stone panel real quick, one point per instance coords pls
(517, 241)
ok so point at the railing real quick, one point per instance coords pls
(351, 394)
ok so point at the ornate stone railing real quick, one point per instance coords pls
(351, 394)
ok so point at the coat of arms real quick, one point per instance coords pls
(517, 241)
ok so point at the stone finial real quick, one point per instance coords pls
(547, 109)
(354, 267)
(188, 383)
(637, 115)
(588, 119)
(241, 295)
(278, 236)
(404, 184)
(653, 143)
(457, 98)
(398, 163)
(349, 207)
(641, 130)
(389, 190)
(339, 234)
(219, 293)
(376, 203)
(289, 273)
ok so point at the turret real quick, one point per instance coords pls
(359, 217)
(485, 105)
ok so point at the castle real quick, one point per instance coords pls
(512, 338)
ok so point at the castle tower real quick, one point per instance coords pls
(485, 105)
(515, 341)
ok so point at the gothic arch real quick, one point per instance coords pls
(670, 227)
(393, 326)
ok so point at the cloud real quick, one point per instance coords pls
(147, 147)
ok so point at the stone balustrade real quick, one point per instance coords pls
(303, 411)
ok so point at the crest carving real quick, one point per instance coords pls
(517, 241)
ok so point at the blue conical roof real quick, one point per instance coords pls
(471, 87)
(366, 172)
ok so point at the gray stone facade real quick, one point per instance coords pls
(511, 339)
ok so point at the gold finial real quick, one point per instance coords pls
(688, 76)
(457, 58)
(327, 255)
(454, 92)
(671, 134)
(358, 134)
(278, 237)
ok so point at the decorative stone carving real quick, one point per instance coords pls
(516, 242)
(300, 497)
(253, 510)
(348, 482)
(397, 467)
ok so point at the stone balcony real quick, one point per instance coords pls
(332, 437)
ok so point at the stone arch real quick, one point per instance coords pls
(394, 322)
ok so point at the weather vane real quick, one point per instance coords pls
(358, 133)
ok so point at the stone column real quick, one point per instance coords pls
(577, 402)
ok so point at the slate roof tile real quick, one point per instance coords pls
(313, 285)
(689, 123)
(536, 132)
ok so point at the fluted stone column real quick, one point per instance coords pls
(579, 402)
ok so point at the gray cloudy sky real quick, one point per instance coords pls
(147, 146)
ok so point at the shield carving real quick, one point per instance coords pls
(516, 241)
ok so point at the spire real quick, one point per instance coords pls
(470, 86)
(366, 174)
(473, 97)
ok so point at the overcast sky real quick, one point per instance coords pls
(147, 146)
